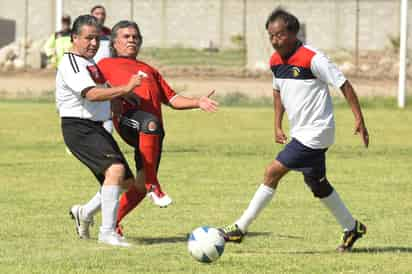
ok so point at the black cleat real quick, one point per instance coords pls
(232, 233)
(350, 237)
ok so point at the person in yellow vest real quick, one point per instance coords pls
(58, 43)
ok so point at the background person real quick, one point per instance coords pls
(58, 43)
(99, 12)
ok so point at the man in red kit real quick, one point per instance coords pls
(140, 123)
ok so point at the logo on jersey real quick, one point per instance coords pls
(295, 72)
(95, 74)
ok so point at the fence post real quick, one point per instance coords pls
(402, 54)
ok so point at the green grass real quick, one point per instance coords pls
(211, 166)
(178, 56)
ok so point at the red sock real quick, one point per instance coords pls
(149, 147)
(128, 201)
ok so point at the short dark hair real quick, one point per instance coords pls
(291, 21)
(121, 25)
(97, 7)
(82, 20)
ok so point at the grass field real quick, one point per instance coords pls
(179, 56)
(211, 167)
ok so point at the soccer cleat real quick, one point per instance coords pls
(351, 236)
(158, 197)
(232, 233)
(112, 238)
(82, 226)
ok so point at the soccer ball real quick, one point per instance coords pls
(206, 244)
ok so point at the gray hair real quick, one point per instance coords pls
(81, 21)
(121, 25)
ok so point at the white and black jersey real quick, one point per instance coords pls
(74, 75)
(82, 119)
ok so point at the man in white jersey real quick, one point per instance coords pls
(84, 103)
(300, 82)
(99, 12)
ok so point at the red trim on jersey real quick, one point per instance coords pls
(301, 58)
(95, 74)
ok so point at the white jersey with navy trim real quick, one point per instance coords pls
(75, 74)
(303, 84)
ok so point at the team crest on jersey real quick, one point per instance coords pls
(95, 74)
(295, 72)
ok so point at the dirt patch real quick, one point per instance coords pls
(187, 81)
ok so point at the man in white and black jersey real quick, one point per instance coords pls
(84, 103)
(301, 76)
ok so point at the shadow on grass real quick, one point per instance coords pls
(383, 249)
(158, 240)
(183, 238)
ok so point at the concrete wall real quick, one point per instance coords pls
(164, 23)
(330, 25)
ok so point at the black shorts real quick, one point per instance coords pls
(309, 161)
(93, 146)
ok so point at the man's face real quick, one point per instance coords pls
(127, 42)
(100, 15)
(281, 39)
(86, 43)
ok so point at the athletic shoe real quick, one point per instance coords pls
(232, 233)
(82, 225)
(158, 197)
(112, 238)
(351, 236)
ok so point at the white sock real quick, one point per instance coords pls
(92, 206)
(336, 206)
(110, 204)
(261, 198)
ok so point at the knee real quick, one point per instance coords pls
(270, 171)
(272, 176)
(151, 126)
(115, 174)
(320, 187)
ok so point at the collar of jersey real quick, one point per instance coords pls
(297, 46)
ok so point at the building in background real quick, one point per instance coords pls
(329, 24)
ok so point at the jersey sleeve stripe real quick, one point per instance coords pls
(73, 63)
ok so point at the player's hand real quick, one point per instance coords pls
(361, 129)
(280, 136)
(207, 104)
(134, 81)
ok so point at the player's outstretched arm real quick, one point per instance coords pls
(204, 103)
(352, 99)
(103, 94)
(280, 135)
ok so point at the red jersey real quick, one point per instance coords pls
(153, 90)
